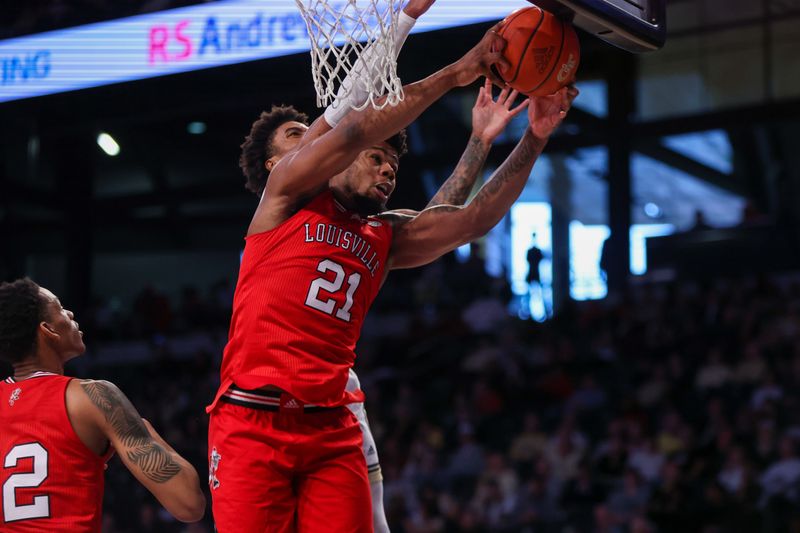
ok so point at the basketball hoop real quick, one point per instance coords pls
(352, 40)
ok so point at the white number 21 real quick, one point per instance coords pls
(331, 286)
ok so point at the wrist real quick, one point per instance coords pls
(461, 73)
(534, 139)
(482, 139)
(454, 75)
(409, 13)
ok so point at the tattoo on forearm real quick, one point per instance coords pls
(456, 189)
(155, 462)
(520, 159)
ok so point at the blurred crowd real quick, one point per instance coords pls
(36, 16)
(671, 409)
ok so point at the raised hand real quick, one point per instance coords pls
(479, 61)
(489, 116)
(417, 8)
(546, 113)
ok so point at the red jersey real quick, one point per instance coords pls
(300, 301)
(50, 481)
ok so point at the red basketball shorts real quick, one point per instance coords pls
(287, 471)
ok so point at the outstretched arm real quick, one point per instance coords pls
(315, 163)
(171, 479)
(440, 229)
(489, 118)
(349, 95)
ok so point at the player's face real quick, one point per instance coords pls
(69, 342)
(370, 180)
(287, 137)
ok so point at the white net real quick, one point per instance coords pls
(353, 52)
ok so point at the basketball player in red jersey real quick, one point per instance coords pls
(284, 453)
(58, 432)
(489, 118)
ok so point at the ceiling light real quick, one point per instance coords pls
(108, 144)
(196, 128)
(652, 210)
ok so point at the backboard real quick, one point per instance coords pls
(634, 25)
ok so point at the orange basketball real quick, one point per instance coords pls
(543, 51)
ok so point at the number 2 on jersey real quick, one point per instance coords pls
(40, 508)
(327, 306)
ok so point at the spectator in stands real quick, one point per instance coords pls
(714, 374)
(629, 499)
(781, 480)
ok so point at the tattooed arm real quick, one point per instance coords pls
(171, 479)
(489, 118)
(437, 230)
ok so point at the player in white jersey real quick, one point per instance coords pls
(371, 455)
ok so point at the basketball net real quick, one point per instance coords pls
(353, 56)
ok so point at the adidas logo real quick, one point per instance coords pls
(292, 404)
(371, 450)
(542, 57)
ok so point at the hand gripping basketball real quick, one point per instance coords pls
(546, 113)
(479, 61)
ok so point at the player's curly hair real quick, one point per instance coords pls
(22, 308)
(399, 141)
(257, 147)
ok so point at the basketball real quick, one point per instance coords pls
(542, 49)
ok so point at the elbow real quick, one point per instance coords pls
(472, 235)
(478, 227)
(192, 510)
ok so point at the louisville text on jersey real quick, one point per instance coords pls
(346, 240)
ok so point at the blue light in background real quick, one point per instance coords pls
(652, 210)
(196, 128)
(594, 97)
(639, 235)
(463, 253)
(585, 245)
(712, 148)
(680, 195)
(527, 218)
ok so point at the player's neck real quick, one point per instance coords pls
(343, 199)
(351, 202)
(26, 369)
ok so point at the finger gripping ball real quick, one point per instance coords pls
(543, 51)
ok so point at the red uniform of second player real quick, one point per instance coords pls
(51, 481)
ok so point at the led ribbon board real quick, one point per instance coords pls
(181, 40)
